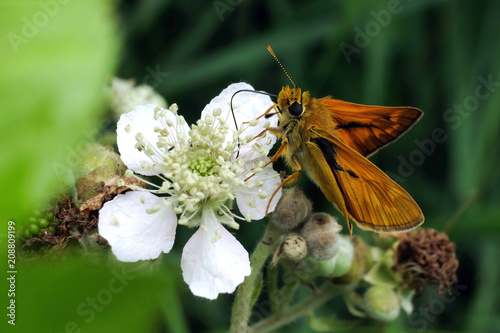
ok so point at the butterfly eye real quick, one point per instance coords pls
(295, 109)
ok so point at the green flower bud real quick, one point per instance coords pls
(34, 229)
(97, 166)
(294, 247)
(321, 234)
(93, 155)
(291, 211)
(381, 303)
(43, 223)
(341, 263)
(344, 257)
(26, 233)
(360, 262)
(49, 215)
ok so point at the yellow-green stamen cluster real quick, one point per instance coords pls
(203, 165)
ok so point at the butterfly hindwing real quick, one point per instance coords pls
(369, 196)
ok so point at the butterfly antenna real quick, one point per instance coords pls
(283, 68)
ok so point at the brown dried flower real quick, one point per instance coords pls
(426, 257)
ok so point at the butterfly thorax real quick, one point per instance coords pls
(293, 113)
(301, 117)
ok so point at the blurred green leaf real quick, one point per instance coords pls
(55, 60)
(92, 296)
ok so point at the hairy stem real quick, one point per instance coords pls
(245, 295)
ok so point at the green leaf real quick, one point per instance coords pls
(405, 298)
(56, 57)
(91, 296)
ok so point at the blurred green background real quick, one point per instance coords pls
(440, 56)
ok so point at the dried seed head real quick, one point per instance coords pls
(292, 210)
(321, 233)
(426, 257)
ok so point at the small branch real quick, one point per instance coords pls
(296, 311)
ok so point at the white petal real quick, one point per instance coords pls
(141, 120)
(246, 106)
(271, 181)
(133, 233)
(213, 261)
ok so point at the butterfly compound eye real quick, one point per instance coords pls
(295, 109)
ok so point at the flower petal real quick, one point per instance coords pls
(141, 120)
(246, 106)
(248, 200)
(133, 233)
(213, 261)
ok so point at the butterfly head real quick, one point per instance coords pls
(292, 101)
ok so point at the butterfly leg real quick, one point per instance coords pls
(274, 130)
(275, 156)
(267, 113)
(290, 179)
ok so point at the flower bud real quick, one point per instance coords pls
(341, 263)
(321, 234)
(292, 210)
(294, 247)
(100, 170)
(381, 303)
(125, 96)
(94, 155)
(360, 262)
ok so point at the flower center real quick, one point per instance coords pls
(202, 165)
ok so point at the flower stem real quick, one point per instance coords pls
(297, 311)
(246, 293)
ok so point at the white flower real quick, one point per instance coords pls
(202, 169)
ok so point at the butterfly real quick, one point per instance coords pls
(330, 140)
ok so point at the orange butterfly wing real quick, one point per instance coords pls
(359, 189)
(367, 128)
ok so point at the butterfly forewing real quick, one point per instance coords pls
(367, 128)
